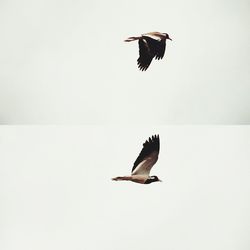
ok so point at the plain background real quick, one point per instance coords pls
(56, 190)
(65, 62)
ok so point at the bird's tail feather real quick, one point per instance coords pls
(132, 38)
(122, 178)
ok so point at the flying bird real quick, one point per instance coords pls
(151, 45)
(144, 162)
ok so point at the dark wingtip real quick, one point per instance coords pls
(153, 138)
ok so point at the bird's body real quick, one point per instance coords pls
(144, 162)
(151, 45)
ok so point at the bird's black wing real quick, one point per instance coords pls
(157, 46)
(146, 55)
(160, 50)
(150, 146)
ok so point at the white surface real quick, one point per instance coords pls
(66, 62)
(56, 192)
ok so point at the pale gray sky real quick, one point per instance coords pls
(65, 62)
(56, 192)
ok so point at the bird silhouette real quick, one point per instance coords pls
(152, 44)
(144, 162)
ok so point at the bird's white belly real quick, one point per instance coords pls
(139, 178)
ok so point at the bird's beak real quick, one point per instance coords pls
(170, 39)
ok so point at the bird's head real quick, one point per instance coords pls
(167, 36)
(151, 179)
